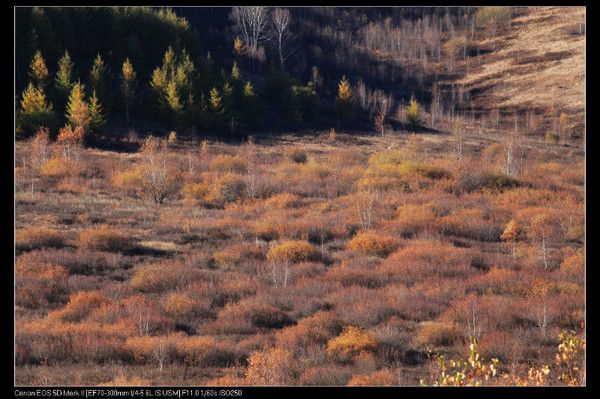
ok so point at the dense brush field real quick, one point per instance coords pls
(323, 259)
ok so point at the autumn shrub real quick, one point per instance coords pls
(38, 237)
(436, 334)
(151, 349)
(104, 238)
(270, 317)
(413, 218)
(351, 342)
(196, 191)
(426, 260)
(471, 223)
(39, 284)
(228, 163)
(236, 254)
(204, 351)
(80, 305)
(228, 188)
(271, 367)
(326, 375)
(293, 251)
(497, 280)
(376, 378)
(283, 201)
(373, 243)
(180, 306)
(162, 276)
(391, 170)
(57, 166)
(492, 17)
(490, 180)
(573, 265)
(360, 277)
(53, 340)
(296, 155)
(316, 329)
(129, 179)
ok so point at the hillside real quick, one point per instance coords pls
(537, 65)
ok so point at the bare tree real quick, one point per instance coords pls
(435, 105)
(281, 20)
(251, 24)
(365, 207)
(381, 108)
(251, 176)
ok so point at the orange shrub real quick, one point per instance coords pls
(234, 255)
(162, 276)
(573, 264)
(351, 342)
(373, 243)
(313, 330)
(424, 260)
(270, 367)
(413, 217)
(283, 200)
(180, 305)
(228, 188)
(39, 284)
(293, 251)
(376, 378)
(228, 163)
(129, 178)
(104, 238)
(80, 305)
(436, 334)
(348, 277)
(330, 374)
(57, 166)
(38, 237)
(196, 191)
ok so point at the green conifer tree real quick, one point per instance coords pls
(97, 119)
(128, 80)
(35, 111)
(97, 82)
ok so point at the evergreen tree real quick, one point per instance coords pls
(174, 103)
(97, 119)
(38, 72)
(35, 111)
(413, 113)
(128, 79)
(215, 102)
(97, 82)
(304, 100)
(78, 110)
(250, 105)
(345, 101)
(235, 72)
(63, 81)
(174, 84)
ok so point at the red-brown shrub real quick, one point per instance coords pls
(104, 238)
(38, 237)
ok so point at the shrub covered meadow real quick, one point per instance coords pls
(304, 261)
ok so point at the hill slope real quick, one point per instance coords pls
(538, 65)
